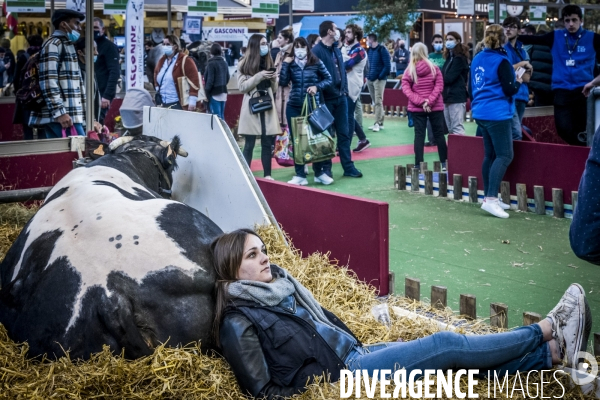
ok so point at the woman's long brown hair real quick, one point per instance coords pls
(460, 50)
(227, 252)
(250, 65)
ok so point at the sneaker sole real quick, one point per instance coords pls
(317, 180)
(364, 148)
(497, 216)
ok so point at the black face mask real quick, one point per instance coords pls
(402, 46)
(97, 35)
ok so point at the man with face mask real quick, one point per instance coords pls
(379, 69)
(60, 80)
(106, 67)
(336, 96)
(437, 57)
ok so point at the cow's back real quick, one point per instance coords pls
(106, 261)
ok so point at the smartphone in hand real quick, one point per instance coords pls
(519, 72)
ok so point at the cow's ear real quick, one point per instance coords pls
(95, 149)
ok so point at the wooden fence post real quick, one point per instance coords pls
(409, 168)
(400, 177)
(437, 166)
(530, 318)
(505, 192)
(412, 289)
(428, 182)
(468, 306)
(457, 186)
(557, 203)
(423, 166)
(391, 282)
(538, 198)
(439, 297)
(443, 184)
(414, 180)
(521, 197)
(473, 189)
(499, 315)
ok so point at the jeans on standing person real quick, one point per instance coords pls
(338, 108)
(292, 112)
(266, 144)
(437, 124)
(498, 153)
(217, 108)
(517, 133)
(522, 349)
(353, 125)
(54, 130)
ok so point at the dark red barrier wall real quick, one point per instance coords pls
(353, 229)
(8, 131)
(545, 164)
(25, 172)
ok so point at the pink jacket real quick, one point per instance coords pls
(427, 88)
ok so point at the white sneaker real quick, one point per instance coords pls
(269, 178)
(502, 205)
(298, 180)
(375, 128)
(324, 179)
(569, 323)
(493, 208)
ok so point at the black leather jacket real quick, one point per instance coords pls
(312, 75)
(273, 351)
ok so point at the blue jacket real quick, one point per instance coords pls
(489, 101)
(339, 80)
(311, 75)
(379, 63)
(584, 56)
(516, 55)
(585, 227)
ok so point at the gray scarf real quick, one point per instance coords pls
(272, 293)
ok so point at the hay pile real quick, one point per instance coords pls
(185, 373)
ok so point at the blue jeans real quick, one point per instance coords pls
(517, 134)
(353, 125)
(498, 148)
(318, 167)
(338, 108)
(54, 130)
(522, 349)
(217, 107)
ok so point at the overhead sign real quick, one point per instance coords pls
(204, 8)
(226, 34)
(25, 6)
(449, 6)
(193, 26)
(465, 7)
(503, 13)
(538, 14)
(115, 7)
(303, 5)
(265, 8)
(76, 5)
(134, 44)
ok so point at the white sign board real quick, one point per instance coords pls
(202, 8)
(193, 26)
(303, 5)
(226, 34)
(449, 27)
(214, 178)
(265, 8)
(465, 7)
(134, 44)
(76, 5)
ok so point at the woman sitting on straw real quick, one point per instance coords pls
(276, 336)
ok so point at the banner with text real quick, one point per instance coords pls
(265, 8)
(226, 34)
(134, 44)
(112, 7)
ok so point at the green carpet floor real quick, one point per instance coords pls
(455, 244)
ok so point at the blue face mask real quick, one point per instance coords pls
(264, 50)
(450, 44)
(168, 50)
(438, 46)
(73, 36)
(95, 58)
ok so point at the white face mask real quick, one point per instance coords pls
(300, 53)
(337, 35)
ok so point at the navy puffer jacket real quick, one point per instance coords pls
(312, 75)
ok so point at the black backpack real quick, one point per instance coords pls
(30, 94)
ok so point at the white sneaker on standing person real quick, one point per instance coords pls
(379, 69)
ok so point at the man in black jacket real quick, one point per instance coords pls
(336, 96)
(217, 77)
(106, 67)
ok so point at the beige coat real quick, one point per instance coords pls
(283, 92)
(250, 123)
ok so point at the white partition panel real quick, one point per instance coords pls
(214, 178)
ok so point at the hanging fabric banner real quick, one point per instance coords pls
(134, 44)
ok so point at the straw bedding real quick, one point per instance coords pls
(186, 373)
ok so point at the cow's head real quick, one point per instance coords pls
(151, 150)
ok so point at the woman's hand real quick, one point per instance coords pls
(266, 74)
(426, 107)
(312, 90)
(288, 60)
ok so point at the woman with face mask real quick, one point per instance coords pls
(256, 77)
(284, 42)
(169, 68)
(455, 72)
(80, 49)
(306, 74)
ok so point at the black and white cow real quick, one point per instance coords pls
(108, 260)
